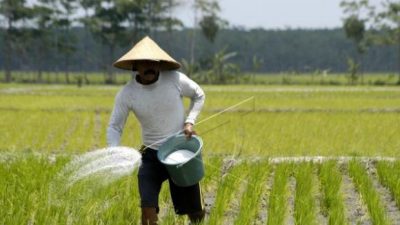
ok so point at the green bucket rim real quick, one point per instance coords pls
(194, 155)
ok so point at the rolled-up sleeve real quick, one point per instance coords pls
(117, 121)
(193, 91)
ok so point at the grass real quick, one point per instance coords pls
(277, 209)
(250, 200)
(324, 79)
(389, 176)
(31, 193)
(304, 204)
(331, 181)
(286, 120)
(30, 196)
(39, 122)
(250, 78)
(227, 187)
(368, 193)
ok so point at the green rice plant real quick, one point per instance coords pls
(389, 176)
(293, 134)
(228, 185)
(304, 204)
(24, 189)
(132, 132)
(277, 208)
(331, 181)
(250, 200)
(348, 121)
(80, 134)
(290, 79)
(24, 138)
(369, 195)
(8, 131)
(30, 194)
(212, 170)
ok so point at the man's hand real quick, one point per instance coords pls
(188, 130)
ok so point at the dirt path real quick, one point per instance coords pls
(388, 201)
(356, 211)
(262, 215)
(291, 197)
(321, 219)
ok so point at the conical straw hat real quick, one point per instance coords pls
(146, 49)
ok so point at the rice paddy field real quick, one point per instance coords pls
(284, 155)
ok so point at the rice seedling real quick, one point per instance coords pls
(65, 118)
(331, 180)
(277, 209)
(30, 196)
(228, 185)
(389, 176)
(250, 201)
(369, 195)
(283, 121)
(304, 206)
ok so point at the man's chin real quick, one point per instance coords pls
(150, 76)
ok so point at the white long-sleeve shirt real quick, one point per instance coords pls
(158, 107)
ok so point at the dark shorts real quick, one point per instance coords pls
(152, 173)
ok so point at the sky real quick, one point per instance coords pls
(275, 14)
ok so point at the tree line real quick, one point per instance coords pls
(40, 30)
(89, 35)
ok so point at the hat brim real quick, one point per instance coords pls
(132, 64)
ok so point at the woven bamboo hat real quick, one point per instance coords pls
(146, 49)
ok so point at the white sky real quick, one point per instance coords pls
(274, 14)
(271, 14)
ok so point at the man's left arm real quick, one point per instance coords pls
(193, 91)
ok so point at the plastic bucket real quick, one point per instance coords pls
(185, 173)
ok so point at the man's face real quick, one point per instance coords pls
(148, 70)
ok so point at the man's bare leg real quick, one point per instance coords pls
(197, 217)
(149, 216)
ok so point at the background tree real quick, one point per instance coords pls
(149, 16)
(42, 34)
(222, 70)
(108, 27)
(158, 15)
(67, 40)
(209, 22)
(388, 22)
(257, 63)
(14, 12)
(384, 20)
(355, 29)
(88, 8)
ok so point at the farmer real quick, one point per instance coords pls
(154, 95)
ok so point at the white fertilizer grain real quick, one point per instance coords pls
(179, 157)
(107, 164)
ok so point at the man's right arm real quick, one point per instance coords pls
(117, 121)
